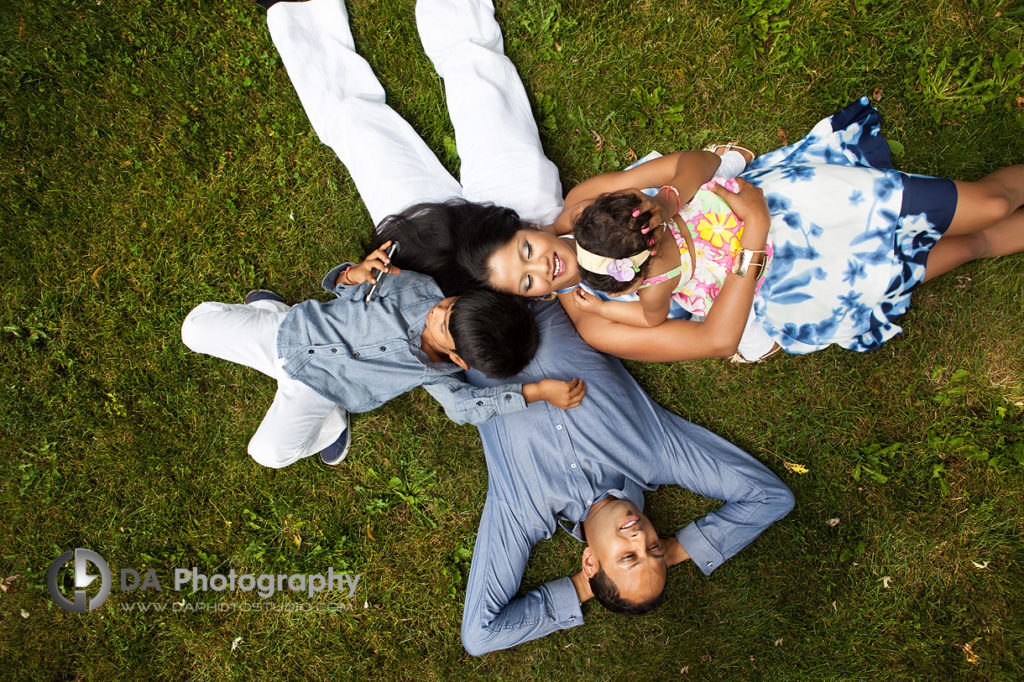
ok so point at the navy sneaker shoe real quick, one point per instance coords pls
(262, 295)
(336, 451)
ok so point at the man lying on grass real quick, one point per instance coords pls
(587, 469)
(348, 355)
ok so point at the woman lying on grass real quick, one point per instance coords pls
(851, 237)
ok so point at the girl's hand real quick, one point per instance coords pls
(661, 206)
(363, 272)
(562, 394)
(586, 301)
(749, 205)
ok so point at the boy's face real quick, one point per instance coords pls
(436, 334)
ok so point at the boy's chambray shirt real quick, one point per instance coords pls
(362, 355)
(547, 466)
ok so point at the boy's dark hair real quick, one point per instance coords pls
(607, 228)
(449, 241)
(494, 333)
(607, 595)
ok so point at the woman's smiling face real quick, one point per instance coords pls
(534, 263)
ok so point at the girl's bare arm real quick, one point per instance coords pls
(686, 171)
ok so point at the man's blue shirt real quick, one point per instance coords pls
(548, 466)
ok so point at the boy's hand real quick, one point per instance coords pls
(363, 272)
(562, 394)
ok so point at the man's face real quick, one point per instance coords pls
(623, 542)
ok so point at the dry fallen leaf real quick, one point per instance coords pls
(684, 670)
(796, 468)
(24, 613)
(598, 139)
(95, 275)
(983, 564)
(833, 522)
(8, 584)
(706, 658)
(235, 643)
(778, 642)
(969, 654)
(885, 580)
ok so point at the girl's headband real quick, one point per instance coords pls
(621, 269)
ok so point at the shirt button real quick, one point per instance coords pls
(355, 355)
(558, 428)
(311, 351)
(334, 350)
(573, 465)
(479, 402)
(383, 348)
(508, 397)
(589, 502)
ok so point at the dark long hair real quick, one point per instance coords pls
(607, 228)
(450, 241)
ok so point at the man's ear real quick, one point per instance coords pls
(457, 359)
(590, 563)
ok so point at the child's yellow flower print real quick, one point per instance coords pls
(719, 230)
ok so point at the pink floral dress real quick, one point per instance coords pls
(716, 232)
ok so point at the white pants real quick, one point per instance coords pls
(300, 421)
(495, 133)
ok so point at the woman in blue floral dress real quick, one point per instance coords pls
(852, 239)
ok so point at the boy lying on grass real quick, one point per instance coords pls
(342, 356)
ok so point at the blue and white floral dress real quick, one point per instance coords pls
(851, 235)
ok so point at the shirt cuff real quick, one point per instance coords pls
(331, 277)
(510, 399)
(565, 602)
(706, 557)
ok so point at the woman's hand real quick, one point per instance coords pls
(586, 301)
(749, 206)
(562, 394)
(378, 259)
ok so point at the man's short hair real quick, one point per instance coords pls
(494, 333)
(607, 594)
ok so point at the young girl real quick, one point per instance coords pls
(640, 276)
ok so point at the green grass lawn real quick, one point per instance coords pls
(153, 155)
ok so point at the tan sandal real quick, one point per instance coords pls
(730, 147)
(738, 359)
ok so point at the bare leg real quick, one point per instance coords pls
(988, 222)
